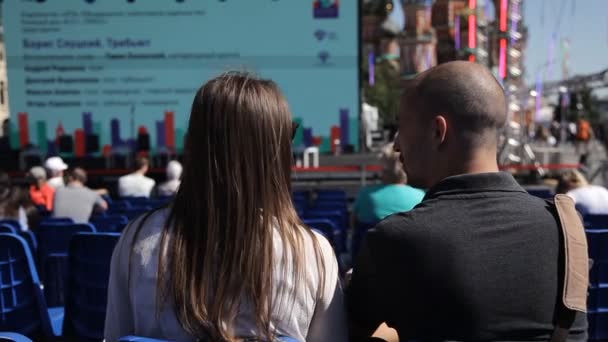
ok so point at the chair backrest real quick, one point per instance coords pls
(146, 339)
(87, 284)
(22, 306)
(544, 193)
(30, 238)
(110, 223)
(7, 228)
(14, 223)
(595, 221)
(57, 220)
(13, 337)
(53, 244)
(327, 227)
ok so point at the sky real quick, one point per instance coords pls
(583, 22)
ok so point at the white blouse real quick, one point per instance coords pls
(310, 315)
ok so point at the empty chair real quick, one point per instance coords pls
(30, 238)
(339, 220)
(327, 227)
(131, 212)
(110, 223)
(145, 339)
(595, 221)
(7, 228)
(13, 337)
(120, 204)
(331, 194)
(23, 307)
(331, 206)
(598, 325)
(13, 223)
(544, 193)
(139, 339)
(53, 244)
(89, 260)
(57, 220)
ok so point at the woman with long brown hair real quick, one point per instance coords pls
(228, 260)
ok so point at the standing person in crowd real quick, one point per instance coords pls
(479, 258)
(56, 168)
(41, 193)
(136, 184)
(237, 263)
(589, 199)
(75, 200)
(174, 174)
(15, 204)
(374, 203)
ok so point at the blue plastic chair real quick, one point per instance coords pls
(110, 223)
(597, 241)
(53, 244)
(87, 284)
(23, 307)
(333, 194)
(139, 339)
(339, 220)
(57, 220)
(325, 226)
(598, 325)
(14, 223)
(146, 339)
(131, 213)
(7, 228)
(13, 337)
(120, 204)
(30, 238)
(592, 221)
(544, 193)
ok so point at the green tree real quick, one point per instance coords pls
(384, 94)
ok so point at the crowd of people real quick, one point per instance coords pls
(473, 257)
(61, 191)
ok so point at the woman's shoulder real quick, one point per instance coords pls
(142, 234)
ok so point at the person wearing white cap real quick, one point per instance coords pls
(174, 173)
(56, 167)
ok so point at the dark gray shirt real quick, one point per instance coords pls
(478, 259)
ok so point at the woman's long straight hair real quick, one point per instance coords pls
(217, 248)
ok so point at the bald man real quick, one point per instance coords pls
(479, 258)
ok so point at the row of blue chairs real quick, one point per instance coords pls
(24, 307)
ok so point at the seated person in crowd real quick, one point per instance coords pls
(136, 184)
(75, 200)
(41, 193)
(479, 259)
(174, 173)
(15, 204)
(237, 263)
(589, 199)
(56, 168)
(375, 202)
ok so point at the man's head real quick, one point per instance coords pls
(142, 164)
(174, 170)
(56, 166)
(38, 175)
(76, 176)
(449, 121)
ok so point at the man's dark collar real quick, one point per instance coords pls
(475, 183)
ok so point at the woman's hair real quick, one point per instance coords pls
(12, 198)
(9, 197)
(234, 200)
(392, 168)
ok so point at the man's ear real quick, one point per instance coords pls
(440, 129)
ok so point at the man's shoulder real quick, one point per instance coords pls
(401, 225)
